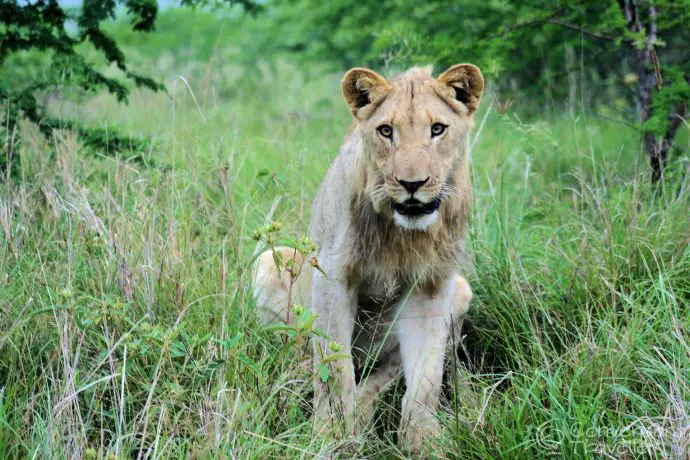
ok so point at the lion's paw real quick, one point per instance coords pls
(415, 434)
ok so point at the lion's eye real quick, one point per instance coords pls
(437, 129)
(386, 131)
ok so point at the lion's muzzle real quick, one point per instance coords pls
(415, 208)
(413, 214)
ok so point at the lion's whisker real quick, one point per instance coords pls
(376, 192)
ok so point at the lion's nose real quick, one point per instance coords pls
(413, 186)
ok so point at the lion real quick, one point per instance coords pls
(389, 222)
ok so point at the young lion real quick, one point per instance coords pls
(389, 221)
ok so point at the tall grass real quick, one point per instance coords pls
(127, 329)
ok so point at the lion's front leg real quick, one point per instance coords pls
(334, 399)
(423, 331)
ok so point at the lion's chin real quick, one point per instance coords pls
(420, 223)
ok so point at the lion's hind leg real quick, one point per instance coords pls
(274, 288)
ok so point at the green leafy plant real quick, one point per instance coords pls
(303, 246)
(299, 329)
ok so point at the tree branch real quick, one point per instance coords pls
(589, 33)
(533, 22)
(551, 19)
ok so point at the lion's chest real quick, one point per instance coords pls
(389, 260)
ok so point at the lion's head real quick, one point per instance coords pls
(414, 131)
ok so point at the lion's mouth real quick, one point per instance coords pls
(414, 208)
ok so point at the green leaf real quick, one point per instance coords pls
(177, 350)
(250, 364)
(280, 327)
(324, 373)
(232, 342)
(335, 357)
(320, 333)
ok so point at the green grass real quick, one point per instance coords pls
(127, 328)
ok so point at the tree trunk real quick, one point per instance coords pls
(647, 81)
(647, 63)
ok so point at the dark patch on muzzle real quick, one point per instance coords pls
(414, 208)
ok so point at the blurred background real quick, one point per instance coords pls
(622, 64)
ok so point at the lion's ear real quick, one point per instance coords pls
(468, 83)
(362, 87)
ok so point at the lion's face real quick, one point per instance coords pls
(414, 130)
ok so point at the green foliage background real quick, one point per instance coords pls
(521, 46)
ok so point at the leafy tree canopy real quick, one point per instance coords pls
(45, 25)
